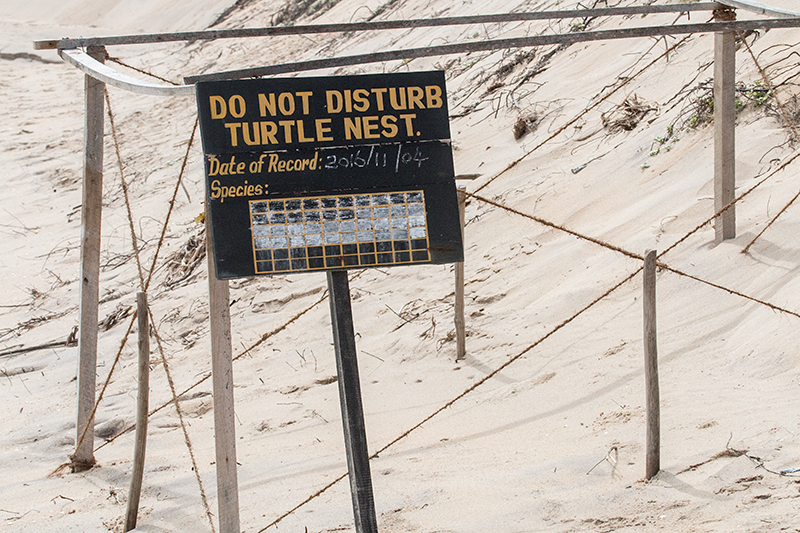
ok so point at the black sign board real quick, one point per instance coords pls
(325, 173)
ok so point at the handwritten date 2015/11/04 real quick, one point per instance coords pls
(378, 157)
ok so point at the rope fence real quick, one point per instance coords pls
(145, 277)
(553, 330)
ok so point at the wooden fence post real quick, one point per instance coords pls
(222, 387)
(461, 334)
(142, 411)
(724, 128)
(653, 447)
(91, 216)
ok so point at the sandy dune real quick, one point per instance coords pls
(552, 437)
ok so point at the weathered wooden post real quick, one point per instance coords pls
(461, 334)
(91, 215)
(653, 447)
(142, 411)
(222, 378)
(724, 128)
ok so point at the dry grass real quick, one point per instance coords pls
(627, 115)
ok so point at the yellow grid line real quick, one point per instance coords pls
(339, 207)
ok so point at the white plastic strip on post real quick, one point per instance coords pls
(761, 9)
(108, 75)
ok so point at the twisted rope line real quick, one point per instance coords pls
(632, 255)
(146, 73)
(179, 410)
(134, 237)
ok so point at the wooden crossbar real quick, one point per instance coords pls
(497, 44)
(271, 31)
(114, 78)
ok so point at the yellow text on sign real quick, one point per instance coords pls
(287, 119)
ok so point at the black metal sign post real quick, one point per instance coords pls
(355, 436)
(330, 174)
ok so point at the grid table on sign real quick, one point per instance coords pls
(326, 232)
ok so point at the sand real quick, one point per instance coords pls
(553, 437)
